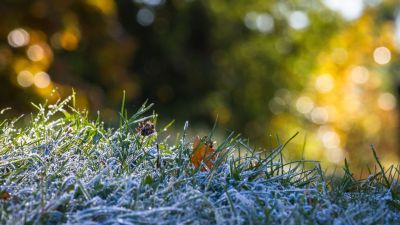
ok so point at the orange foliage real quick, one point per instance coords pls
(203, 151)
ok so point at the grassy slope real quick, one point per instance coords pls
(64, 169)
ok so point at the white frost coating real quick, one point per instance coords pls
(73, 171)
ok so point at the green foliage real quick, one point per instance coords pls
(247, 63)
(63, 168)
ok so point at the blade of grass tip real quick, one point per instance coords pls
(73, 98)
(380, 166)
(134, 118)
(182, 146)
(165, 128)
(278, 141)
(226, 142)
(154, 117)
(219, 150)
(347, 179)
(143, 109)
(369, 170)
(141, 119)
(246, 147)
(290, 139)
(38, 107)
(281, 161)
(3, 122)
(322, 177)
(4, 110)
(278, 149)
(211, 133)
(391, 178)
(347, 169)
(304, 146)
(390, 172)
(239, 153)
(122, 109)
(398, 172)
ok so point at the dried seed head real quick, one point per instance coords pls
(145, 128)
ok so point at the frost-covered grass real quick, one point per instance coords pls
(62, 168)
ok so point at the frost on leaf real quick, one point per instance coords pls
(203, 151)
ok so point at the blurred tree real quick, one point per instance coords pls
(57, 45)
(173, 59)
(208, 58)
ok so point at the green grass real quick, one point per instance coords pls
(62, 168)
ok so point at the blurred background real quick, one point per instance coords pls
(328, 68)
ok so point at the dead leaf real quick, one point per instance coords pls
(202, 151)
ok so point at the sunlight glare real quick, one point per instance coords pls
(387, 101)
(298, 20)
(304, 104)
(35, 53)
(265, 23)
(41, 80)
(18, 38)
(382, 55)
(334, 155)
(331, 139)
(348, 9)
(25, 78)
(359, 75)
(145, 17)
(262, 22)
(320, 115)
(324, 83)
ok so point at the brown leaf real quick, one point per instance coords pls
(202, 151)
